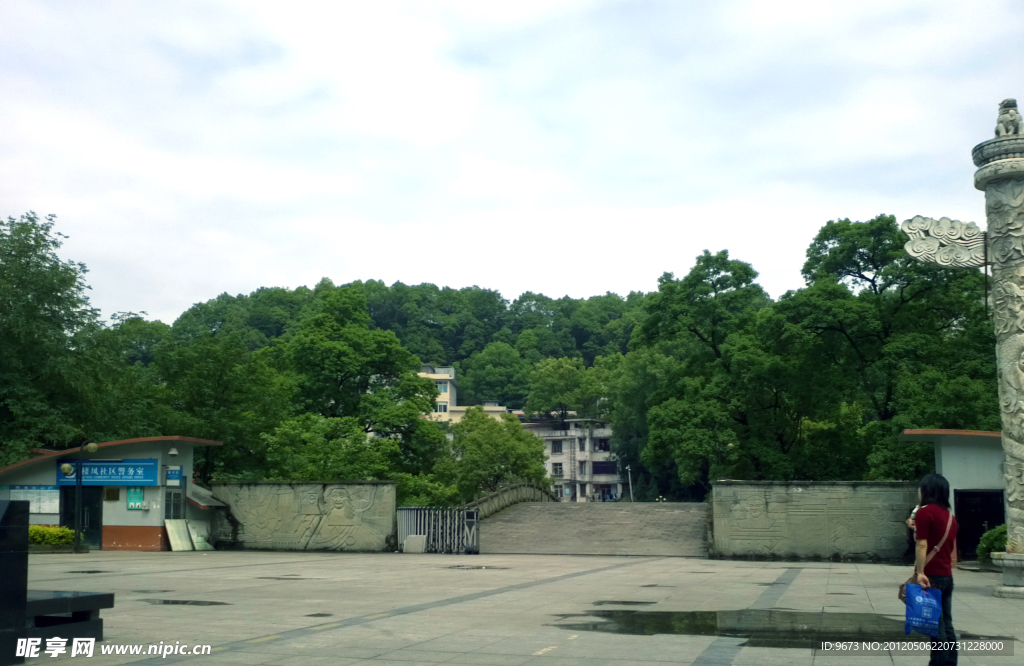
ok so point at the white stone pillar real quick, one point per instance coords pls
(1000, 176)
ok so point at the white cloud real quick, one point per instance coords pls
(566, 148)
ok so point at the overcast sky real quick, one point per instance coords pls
(195, 148)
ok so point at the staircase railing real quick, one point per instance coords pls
(502, 498)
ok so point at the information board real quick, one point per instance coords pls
(135, 472)
(173, 476)
(135, 497)
(41, 499)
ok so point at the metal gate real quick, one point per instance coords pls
(447, 530)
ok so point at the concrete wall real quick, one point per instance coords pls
(837, 520)
(353, 515)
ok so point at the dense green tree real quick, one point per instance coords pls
(48, 352)
(488, 453)
(911, 337)
(498, 372)
(216, 388)
(559, 386)
(311, 447)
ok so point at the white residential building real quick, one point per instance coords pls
(579, 459)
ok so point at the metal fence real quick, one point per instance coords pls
(447, 530)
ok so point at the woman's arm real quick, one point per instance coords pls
(922, 555)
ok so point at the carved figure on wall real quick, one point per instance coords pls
(311, 516)
(1009, 121)
(304, 506)
(349, 521)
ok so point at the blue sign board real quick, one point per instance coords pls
(174, 476)
(137, 472)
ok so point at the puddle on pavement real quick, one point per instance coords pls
(762, 628)
(282, 578)
(625, 603)
(88, 572)
(469, 566)
(320, 615)
(151, 591)
(184, 602)
(846, 593)
(657, 586)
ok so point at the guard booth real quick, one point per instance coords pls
(972, 462)
(129, 488)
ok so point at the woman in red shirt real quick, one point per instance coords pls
(936, 555)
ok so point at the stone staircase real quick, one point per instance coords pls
(597, 528)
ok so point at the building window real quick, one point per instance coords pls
(605, 467)
(442, 386)
(556, 469)
(173, 509)
(556, 447)
(601, 445)
(441, 408)
(583, 445)
(583, 468)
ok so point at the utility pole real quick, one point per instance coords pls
(630, 475)
(88, 447)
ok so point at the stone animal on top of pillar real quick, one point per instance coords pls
(1009, 121)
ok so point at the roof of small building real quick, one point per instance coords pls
(49, 455)
(936, 434)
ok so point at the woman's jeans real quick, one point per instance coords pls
(946, 657)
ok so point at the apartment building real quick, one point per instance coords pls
(447, 407)
(579, 459)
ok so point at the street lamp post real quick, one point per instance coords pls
(630, 475)
(88, 447)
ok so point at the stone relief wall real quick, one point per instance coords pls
(848, 520)
(311, 516)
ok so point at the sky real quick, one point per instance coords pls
(566, 148)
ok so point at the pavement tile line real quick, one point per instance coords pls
(167, 571)
(405, 610)
(724, 649)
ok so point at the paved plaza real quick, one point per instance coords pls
(543, 610)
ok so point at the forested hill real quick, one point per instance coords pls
(705, 378)
(443, 326)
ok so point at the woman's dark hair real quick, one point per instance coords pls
(935, 490)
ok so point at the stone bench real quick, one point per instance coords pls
(65, 614)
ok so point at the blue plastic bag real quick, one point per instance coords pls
(924, 608)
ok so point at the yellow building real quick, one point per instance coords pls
(447, 408)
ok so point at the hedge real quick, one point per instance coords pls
(50, 535)
(993, 541)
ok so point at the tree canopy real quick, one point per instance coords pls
(706, 378)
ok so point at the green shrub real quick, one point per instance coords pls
(993, 541)
(50, 535)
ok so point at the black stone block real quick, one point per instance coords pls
(49, 602)
(14, 581)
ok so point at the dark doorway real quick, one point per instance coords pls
(92, 516)
(977, 511)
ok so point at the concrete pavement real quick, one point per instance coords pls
(390, 609)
